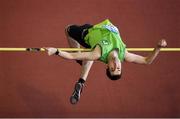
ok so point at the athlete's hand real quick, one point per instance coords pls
(50, 50)
(162, 43)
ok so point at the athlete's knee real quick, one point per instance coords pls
(67, 28)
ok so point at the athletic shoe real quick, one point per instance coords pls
(77, 92)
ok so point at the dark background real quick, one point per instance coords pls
(36, 85)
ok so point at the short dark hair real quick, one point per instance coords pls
(112, 77)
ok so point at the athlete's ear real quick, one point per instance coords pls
(107, 66)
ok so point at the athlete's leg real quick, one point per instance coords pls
(85, 69)
(72, 43)
(86, 66)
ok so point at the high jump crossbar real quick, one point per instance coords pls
(85, 50)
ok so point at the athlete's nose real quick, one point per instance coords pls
(116, 65)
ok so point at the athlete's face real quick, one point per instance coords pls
(114, 66)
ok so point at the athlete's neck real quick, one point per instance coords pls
(113, 55)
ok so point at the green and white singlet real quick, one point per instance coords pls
(107, 36)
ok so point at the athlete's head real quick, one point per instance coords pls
(113, 70)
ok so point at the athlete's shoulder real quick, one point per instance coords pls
(97, 51)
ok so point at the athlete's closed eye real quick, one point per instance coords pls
(112, 69)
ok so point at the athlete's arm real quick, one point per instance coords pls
(131, 57)
(93, 55)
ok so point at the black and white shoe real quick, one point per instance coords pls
(77, 93)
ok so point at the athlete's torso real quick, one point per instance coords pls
(107, 36)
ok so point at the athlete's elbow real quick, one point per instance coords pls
(95, 56)
(147, 61)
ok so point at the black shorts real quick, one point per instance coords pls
(78, 33)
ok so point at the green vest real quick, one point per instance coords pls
(107, 36)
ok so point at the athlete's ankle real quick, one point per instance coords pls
(81, 80)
